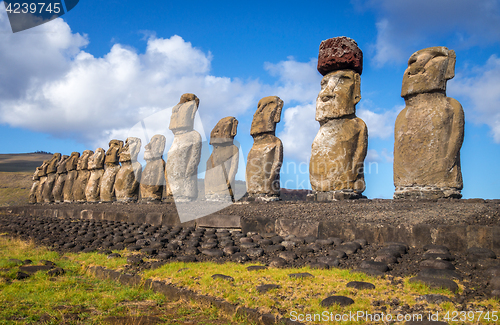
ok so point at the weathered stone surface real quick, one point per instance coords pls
(96, 167)
(48, 187)
(111, 168)
(338, 300)
(222, 165)
(339, 149)
(61, 175)
(429, 131)
(153, 175)
(181, 170)
(127, 178)
(339, 53)
(360, 285)
(266, 156)
(34, 186)
(82, 178)
(42, 174)
(71, 166)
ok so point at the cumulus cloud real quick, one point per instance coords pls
(298, 81)
(405, 26)
(299, 131)
(481, 88)
(50, 84)
(380, 123)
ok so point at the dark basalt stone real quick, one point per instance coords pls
(223, 277)
(360, 285)
(266, 287)
(338, 300)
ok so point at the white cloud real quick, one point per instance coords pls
(380, 123)
(299, 131)
(404, 27)
(298, 81)
(48, 83)
(482, 90)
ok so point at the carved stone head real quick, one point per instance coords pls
(340, 92)
(52, 167)
(72, 162)
(224, 131)
(131, 149)
(83, 161)
(267, 115)
(43, 168)
(183, 113)
(428, 70)
(112, 153)
(61, 166)
(96, 161)
(155, 147)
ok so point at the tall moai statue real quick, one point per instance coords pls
(43, 179)
(339, 149)
(222, 165)
(62, 174)
(266, 156)
(153, 175)
(82, 178)
(34, 186)
(129, 175)
(430, 130)
(71, 166)
(111, 168)
(51, 178)
(184, 155)
(96, 167)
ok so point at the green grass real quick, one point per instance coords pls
(76, 298)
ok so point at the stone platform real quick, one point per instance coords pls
(458, 224)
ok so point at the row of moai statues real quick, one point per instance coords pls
(428, 135)
(116, 175)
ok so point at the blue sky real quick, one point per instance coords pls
(78, 81)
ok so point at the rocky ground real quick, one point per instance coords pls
(477, 269)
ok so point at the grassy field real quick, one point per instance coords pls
(16, 171)
(76, 298)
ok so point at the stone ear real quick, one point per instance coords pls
(357, 88)
(234, 129)
(450, 70)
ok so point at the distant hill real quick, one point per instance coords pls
(22, 163)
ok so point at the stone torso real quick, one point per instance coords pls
(182, 164)
(334, 165)
(263, 165)
(223, 160)
(423, 136)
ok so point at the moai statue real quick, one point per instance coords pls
(222, 165)
(339, 149)
(430, 130)
(184, 155)
(43, 179)
(81, 181)
(127, 179)
(111, 168)
(153, 175)
(47, 195)
(34, 186)
(71, 166)
(96, 167)
(266, 156)
(62, 174)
